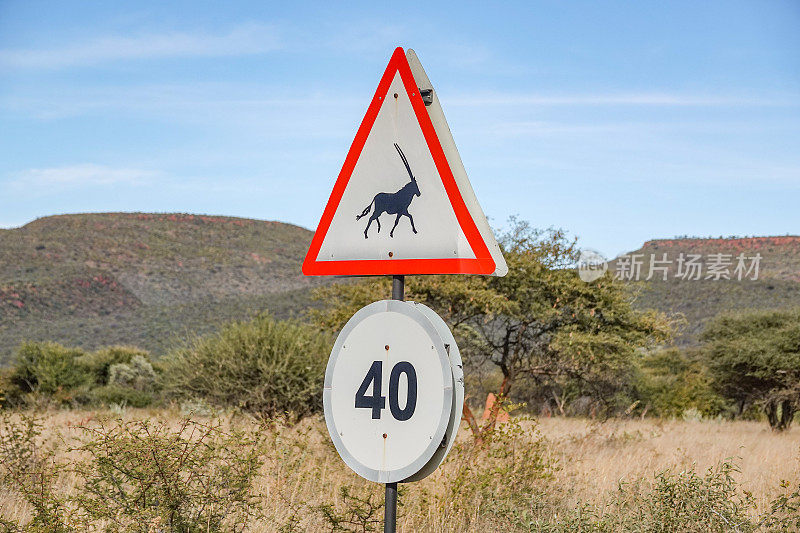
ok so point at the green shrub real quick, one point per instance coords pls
(360, 513)
(9, 392)
(29, 471)
(99, 363)
(685, 501)
(138, 374)
(264, 366)
(123, 396)
(197, 477)
(784, 512)
(130, 383)
(51, 370)
(673, 382)
(754, 357)
(130, 476)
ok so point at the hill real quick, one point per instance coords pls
(769, 276)
(147, 279)
(96, 279)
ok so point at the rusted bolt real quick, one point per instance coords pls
(395, 96)
(385, 435)
(391, 254)
(387, 347)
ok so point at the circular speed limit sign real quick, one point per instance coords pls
(388, 393)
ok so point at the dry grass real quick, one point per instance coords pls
(595, 457)
(556, 465)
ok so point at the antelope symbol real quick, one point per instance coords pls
(393, 203)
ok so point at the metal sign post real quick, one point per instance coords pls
(390, 501)
(390, 510)
(398, 288)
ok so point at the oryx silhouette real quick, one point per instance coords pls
(393, 203)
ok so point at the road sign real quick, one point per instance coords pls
(389, 392)
(402, 203)
(457, 368)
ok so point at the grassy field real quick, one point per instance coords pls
(548, 475)
(596, 456)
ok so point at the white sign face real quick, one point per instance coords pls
(388, 392)
(426, 225)
(399, 206)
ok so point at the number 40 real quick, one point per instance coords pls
(376, 402)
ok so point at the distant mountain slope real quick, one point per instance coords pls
(150, 279)
(138, 278)
(780, 256)
(777, 283)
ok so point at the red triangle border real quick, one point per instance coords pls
(483, 262)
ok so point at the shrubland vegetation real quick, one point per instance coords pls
(755, 358)
(672, 383)
(701, 300)
(141, 279)
(52, 374)
(263, 366)
(144, 471)
(542, 337)
(542, 331)
(233, 440)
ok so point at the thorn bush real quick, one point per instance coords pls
(263, 366)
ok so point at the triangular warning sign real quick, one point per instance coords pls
(402, 203)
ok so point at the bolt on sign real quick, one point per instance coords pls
(402, 204)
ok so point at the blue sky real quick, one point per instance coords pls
(618, 121)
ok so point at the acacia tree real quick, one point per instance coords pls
(755, 357)
(540, 324)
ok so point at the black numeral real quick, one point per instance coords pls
(405, 413)
(377, 403)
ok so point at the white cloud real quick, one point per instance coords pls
(229, 102)
(242, 40)
(623, 99)
(80, 175)
(652, 126)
